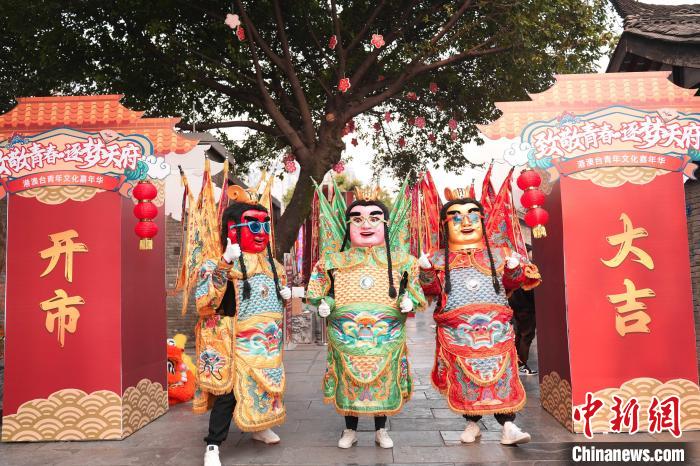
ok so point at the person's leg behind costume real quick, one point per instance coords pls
(219, 425)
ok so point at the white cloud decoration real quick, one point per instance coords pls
(157, 167)
(516, 154)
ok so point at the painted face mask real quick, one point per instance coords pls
(255, 231)
(463, 224)
(366, 225)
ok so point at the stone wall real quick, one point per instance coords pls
(177, 323)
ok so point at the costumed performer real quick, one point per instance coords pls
(365, 291)
(239, 334)
(476, 363)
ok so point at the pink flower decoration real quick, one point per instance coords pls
(378, 40)
(289, 156)
(411, 96)
(351, 125)
(453, 135)
(411, 121)
(420, 122)
(431, 137)
(354, 142)
(344, 84)
(402, 141)
(433, 87)
(339, 167)
(377, 126)
(232, 21)
(332, 42)
(452, 123)
(240, 32)
(290, 166)
(387, 117)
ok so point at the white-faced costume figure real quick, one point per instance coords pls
(239, 334)
(476, 363)
(365, 291)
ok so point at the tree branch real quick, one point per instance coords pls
(230, 124)
(339, 45)
(295, 141)
(360, 35)
(297, 90)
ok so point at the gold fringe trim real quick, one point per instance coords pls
(262, 426)
(484, 412)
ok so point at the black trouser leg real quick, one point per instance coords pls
(379, 422)
(500, 418)
(220, 419)
(503, 418)
(351, 422)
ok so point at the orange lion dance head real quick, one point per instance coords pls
(180, 377)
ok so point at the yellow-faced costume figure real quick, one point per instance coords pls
(476, 363)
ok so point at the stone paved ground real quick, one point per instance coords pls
(425, 432)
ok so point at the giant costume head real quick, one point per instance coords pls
(463, 226)
(248, 224)
(367, 221)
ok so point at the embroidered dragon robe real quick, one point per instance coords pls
(368, 371)
(476, 363)
(242, 353)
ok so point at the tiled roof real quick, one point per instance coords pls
(91, 113)
(678, 23)
(582, 93)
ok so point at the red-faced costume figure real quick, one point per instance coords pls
(239, 337)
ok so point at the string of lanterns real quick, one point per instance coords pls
(532, 199)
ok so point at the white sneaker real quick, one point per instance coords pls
(348, 439)
(266, 436)
(512, 435)
(381, 438)
(211, 456)
(471, 432)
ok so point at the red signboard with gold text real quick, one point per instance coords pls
(616, 339)
(85, 316)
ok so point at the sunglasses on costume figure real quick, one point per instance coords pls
(255, 226)
(359, 220)
(474, 216)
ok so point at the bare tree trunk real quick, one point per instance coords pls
(299, 207)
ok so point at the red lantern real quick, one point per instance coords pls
(144, 192)
(536, 219)
(532, 197)
(529, 179)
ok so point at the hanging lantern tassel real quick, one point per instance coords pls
(533, 199)
(145, 211)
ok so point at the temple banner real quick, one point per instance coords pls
(85, 307)
(616, 340)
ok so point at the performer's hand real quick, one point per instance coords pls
(513, 261)
(232, 252)
(406, 304)
(324, 310)
(285, 292)
(424, 262)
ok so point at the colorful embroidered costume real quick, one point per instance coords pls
(476, 363)
(368, 371)
(242, 353)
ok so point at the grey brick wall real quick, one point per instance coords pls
(177, 323)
